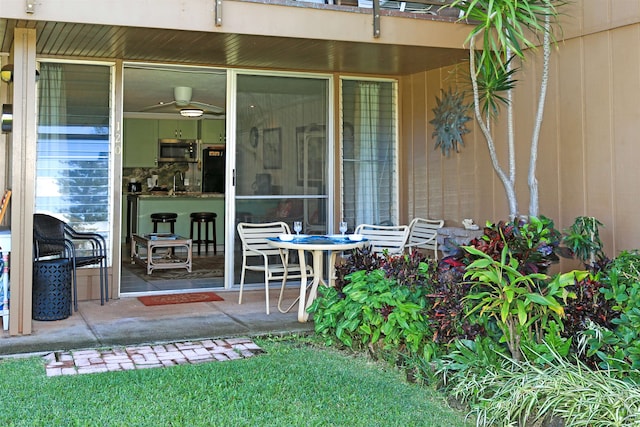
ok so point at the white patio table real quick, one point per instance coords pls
(317, 245)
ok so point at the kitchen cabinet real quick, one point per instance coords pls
(180, 129)
(213, 131)
(140, 143)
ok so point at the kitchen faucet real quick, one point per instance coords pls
(174, 180)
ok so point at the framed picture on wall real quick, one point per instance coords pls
(310, 147)
(272, 148)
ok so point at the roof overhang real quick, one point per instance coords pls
(281, 34)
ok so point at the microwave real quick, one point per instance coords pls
(177, 150)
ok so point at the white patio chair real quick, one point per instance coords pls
(423, 234)
(274, 263)
(385, 237)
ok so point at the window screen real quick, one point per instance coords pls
(73, 149)
(369, 146)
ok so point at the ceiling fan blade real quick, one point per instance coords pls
(207, 107)
(159, 106)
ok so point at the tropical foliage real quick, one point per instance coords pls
(488, 322)
(380, 309)
(520, 304)
(615, 344)
(526, 393)
(583, 239)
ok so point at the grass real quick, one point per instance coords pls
(293, 384)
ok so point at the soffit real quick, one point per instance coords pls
(224, 49)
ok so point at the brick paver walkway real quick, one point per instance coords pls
(148, 356)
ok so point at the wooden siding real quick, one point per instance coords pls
(588, 154)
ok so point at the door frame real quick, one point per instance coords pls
(230, 181)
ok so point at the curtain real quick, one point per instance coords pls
(366, 153)
(52, 108)
(52, 116)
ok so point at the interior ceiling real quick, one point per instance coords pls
(193, 50)
(152, 85)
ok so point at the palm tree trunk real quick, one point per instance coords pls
(535, 137)
(508, 184)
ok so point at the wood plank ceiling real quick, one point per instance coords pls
(228, 50)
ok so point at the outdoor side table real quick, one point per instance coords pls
(51, 299)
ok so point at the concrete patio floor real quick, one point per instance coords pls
(127, 321)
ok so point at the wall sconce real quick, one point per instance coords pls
(6, 73)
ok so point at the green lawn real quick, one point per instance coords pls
(293, 384)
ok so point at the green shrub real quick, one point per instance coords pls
(553, 344)
(520, 304)
(533, 244)
(379, 309)
(447, 313)
(583, 240)
(615, 346)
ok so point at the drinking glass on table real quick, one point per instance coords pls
(343, 227)
(297, 226)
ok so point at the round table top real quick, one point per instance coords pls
(334, 243)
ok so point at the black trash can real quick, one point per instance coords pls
(51, 289)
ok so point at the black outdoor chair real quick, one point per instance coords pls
(53, 238)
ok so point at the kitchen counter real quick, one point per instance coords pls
(141, 206)
(178, 194)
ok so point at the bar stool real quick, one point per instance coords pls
(205, 218)
(164, 217)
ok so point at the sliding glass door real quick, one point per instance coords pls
(281, 153)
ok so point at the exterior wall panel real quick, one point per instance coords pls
(433, 162)
(598, 133)
(588, 154)
(625, 86)
(419, 154)
(570, 134)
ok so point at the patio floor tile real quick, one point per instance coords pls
(144, 357)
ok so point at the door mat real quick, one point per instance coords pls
(180, 298)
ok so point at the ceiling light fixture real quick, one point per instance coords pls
(191, 112)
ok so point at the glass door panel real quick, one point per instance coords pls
(282, 165)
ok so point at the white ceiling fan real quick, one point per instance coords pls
(182, 102)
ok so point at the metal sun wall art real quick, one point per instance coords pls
(449, 121)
